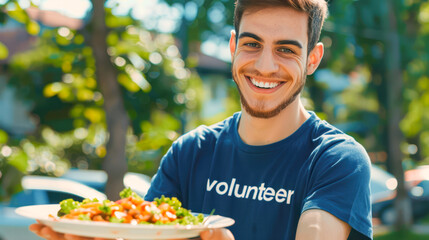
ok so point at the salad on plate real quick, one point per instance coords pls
(131, 208)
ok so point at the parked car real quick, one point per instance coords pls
(417, 184)
(77, 184)
(93, 178)
(39, 190)
(97, 179)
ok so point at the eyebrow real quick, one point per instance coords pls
(251, 35)
(289, 42)
(280, 42)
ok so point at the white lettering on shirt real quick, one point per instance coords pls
(289, 194)
(243, 192)
(232, 187)
(268, 194)
(210, 185)
(261, 190)
(260, 193)
(255, 192)
(281, 195)
(225, 188)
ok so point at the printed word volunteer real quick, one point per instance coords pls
(260, 193)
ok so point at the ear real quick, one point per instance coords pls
(314, 58)
(232, 44)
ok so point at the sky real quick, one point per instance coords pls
(155, 15)
(72, 8)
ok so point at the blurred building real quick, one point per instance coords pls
(215, 74)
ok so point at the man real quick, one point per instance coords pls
(275, 168)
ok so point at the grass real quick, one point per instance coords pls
(402, 235)
(425, 220)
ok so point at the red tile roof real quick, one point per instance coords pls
(53, 19)
(18, 40)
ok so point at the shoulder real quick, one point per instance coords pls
(335, 147)
(331, 139)
(206, 134)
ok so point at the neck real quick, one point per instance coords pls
(263, 131)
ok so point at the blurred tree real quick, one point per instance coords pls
(112, 74)
(367, 29)
(117, 119)
(203, 20)
(387, 38)
(415, 124)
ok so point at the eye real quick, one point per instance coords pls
(252, 45)
(285, 50)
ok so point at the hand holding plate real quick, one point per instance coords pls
(46, 232)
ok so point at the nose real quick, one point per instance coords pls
(266, 63)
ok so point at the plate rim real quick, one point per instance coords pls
(228, 221)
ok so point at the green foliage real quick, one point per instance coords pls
(356, 39)
(213, 18)
(403, 234)
(58, 77)
(4, 53)
(15, 12)
(415, 124)
(3, 137)
(10, 179)
(19, 160)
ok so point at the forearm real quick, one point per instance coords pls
(317, 224)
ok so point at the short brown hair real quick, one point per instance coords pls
(317, 11)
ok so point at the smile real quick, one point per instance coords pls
(262, 84)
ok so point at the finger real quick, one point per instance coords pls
(74, 237)
(217, 234)
(48, 233)
(36, 228)
(206, 235)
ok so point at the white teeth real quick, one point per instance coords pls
(264, 84)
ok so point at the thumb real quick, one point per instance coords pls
(207, 234)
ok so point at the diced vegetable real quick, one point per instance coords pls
(131, 208)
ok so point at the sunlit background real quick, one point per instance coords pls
(167, 64)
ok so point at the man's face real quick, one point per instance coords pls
(269, 60)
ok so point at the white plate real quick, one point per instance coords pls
(118, 230)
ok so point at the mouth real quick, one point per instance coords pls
(263, 84)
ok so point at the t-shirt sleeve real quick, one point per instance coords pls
(340, 185)
(165, 181)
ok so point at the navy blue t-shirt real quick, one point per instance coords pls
(266, 188)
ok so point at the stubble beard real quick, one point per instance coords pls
(258, 111)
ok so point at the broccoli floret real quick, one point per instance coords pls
(67, 205)
(105, 208)
(127, 192)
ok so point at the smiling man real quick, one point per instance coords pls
(276, 168)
